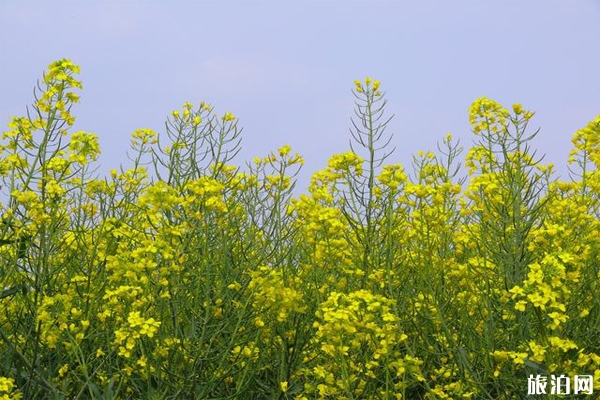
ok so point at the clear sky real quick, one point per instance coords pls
(285, 68)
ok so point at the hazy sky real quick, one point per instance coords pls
(286, 68)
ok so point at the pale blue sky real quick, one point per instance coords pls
(286, 68)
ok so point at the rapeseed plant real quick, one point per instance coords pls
(187, 276)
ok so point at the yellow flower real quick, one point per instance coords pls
(521, 305)
(584, 313)
(228, 117)
(518, 108)
(358, 86)
(557, 319)
(539, 352)
(6, 384)
(63, 370)
(283, 386)
(284, 151)
(142, 362)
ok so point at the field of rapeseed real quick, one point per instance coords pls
(188, 277)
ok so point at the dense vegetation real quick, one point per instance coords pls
(186, 276)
